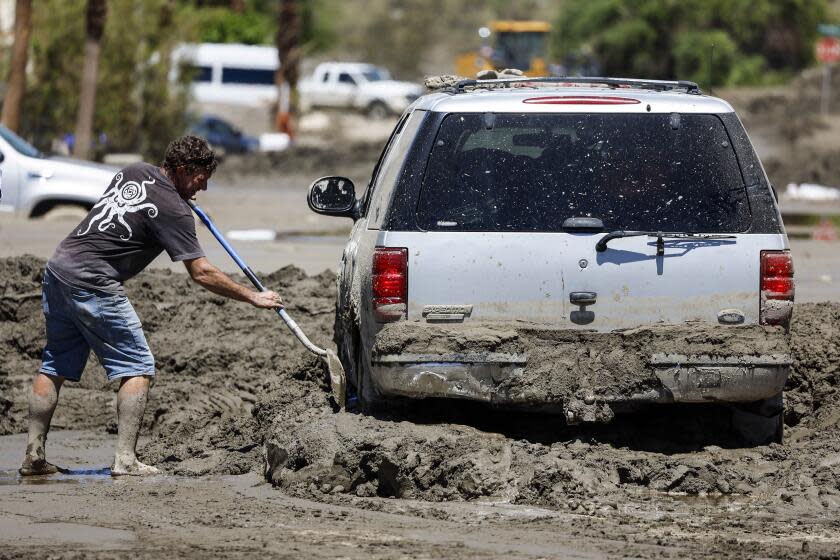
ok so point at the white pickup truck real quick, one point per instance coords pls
(352, 85)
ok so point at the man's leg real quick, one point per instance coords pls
(42, 402)
(131, 403)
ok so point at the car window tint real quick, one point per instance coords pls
(19, 143)
(385, 151)
(346, 78)
(221, 127)
(389, 171)
(529, 172)
(247, 76)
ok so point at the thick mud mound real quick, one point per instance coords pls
(214, 357)
(789, 122)
(456, 451)
(352, 159)
(569, 365)
(235, 392)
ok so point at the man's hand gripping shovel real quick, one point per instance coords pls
(338, 381)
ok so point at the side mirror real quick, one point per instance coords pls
(2, 157)
(333, 196)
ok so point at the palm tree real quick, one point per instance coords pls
(13, 102)
(97, 12)
(288, 53)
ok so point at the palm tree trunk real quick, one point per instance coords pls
(97, 11)
(288, 53)
(16, 88)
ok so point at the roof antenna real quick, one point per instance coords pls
(711, 68)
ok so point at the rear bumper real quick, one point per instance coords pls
(501, 379)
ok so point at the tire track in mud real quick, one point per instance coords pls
(235, 392)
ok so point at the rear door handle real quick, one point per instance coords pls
(582, 298)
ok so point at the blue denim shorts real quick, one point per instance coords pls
(80, 320)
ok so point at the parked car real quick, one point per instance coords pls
(581, 249)
(35, 184)
(359, 86)
(222, 136)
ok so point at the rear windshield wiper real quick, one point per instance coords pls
(660, 236)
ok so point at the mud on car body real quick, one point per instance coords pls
(583, 247)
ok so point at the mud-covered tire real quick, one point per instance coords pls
(759, 423)
(378, 111)
(369, 400)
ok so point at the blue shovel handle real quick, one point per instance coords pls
(254, 280)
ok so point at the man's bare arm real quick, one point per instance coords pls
(213, 279)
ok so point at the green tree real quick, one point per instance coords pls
(747, 40)
(137, 108)
(224, 25)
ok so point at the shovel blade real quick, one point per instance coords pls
(338, 380)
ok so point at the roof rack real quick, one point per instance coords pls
(656, 85)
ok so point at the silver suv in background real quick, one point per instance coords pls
(585, 246)
(34, 184)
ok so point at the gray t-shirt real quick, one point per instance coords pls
(140, 215)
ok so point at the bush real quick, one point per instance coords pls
(695, 52)
(755, 41)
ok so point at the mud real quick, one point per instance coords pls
(307, 162)
(562, 365)
(799, 142)
(235, 393)
(208, 375)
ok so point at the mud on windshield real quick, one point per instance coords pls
(529, 172)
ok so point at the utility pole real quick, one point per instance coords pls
(288, 53)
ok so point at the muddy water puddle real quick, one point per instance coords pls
(70, 476)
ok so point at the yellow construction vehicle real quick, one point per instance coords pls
(508, 44)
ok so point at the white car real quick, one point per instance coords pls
(359, 86)
(35, 184)
(580, 245)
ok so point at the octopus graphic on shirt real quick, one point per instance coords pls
(119, 200)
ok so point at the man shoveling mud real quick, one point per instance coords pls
(143, 212)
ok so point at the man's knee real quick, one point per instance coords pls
(135, 383)
(45, 385)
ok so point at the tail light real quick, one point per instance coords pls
(777, 288)
(389, 282)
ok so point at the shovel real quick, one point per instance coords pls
(338, 381)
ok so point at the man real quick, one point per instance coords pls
(143, 212)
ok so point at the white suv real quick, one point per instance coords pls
(579, 245)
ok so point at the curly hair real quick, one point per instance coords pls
(189, 151)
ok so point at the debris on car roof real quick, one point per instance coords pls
(449, 80)
(443, 81)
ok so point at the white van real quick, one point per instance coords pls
(234, 74)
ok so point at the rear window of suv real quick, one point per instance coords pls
(530, 172)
